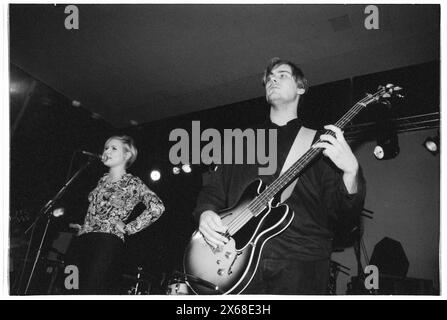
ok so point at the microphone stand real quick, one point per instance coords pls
(44, 211)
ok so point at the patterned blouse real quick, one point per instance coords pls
(114, 201)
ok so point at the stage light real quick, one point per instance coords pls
(76, 103)
(386, 134)
(155, 175)
(175, 170)
(432, 145)
(378, 152)
(186, 168)
(387, 149)
(17, 87)
(58, 212)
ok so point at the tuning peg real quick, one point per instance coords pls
(389, 85)
(400, 96)
(397, 88)
(386, 95)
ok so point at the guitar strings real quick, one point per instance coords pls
(260, 202)
(290, 173)
(346, 118)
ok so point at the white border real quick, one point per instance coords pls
(4, 173)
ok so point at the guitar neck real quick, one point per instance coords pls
(302, 163)
(258, 204)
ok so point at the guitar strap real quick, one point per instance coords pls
(302, 143)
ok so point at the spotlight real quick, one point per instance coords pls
(175, 170)
(432, 145)
(378, 152)
(386, 135)
(155, 175)
(16, 87)
(186, 168)
(387, 149)
(58, 212)
(76, 103)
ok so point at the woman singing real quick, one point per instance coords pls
(111, 202)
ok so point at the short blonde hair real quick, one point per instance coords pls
(129, 144)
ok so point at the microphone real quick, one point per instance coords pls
(92, 155)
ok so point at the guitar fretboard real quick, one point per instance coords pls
(258, 204)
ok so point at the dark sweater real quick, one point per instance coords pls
(319, 199)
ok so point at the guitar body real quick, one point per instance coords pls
(231, 267)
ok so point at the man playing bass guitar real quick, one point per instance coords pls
(332, 188)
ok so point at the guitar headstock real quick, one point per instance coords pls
(390, 90)
(382, 95)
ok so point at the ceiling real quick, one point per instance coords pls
(140, 63)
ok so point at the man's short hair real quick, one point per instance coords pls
(297, 73)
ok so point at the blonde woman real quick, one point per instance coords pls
(101, 237)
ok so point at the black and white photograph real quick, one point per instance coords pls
(200, 149)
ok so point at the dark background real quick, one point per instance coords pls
(46, 135)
